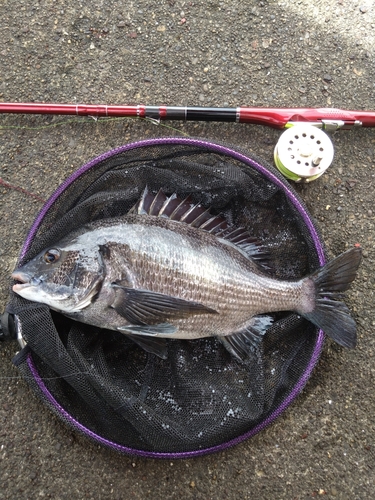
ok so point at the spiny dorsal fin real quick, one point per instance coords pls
(148, 203)
(184, 210)
(181, 210)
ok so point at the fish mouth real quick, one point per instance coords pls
(24, 278)
(20, 276)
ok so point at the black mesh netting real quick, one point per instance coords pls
(200, 398)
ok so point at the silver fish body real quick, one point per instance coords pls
(150, 277)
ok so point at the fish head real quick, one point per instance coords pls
(66, 279)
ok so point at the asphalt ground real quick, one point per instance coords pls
(210, 53)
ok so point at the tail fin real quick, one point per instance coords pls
(331, 315)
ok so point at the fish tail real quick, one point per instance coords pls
(330, 314)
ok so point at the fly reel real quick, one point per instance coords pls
(303, 153)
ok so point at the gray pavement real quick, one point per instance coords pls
(211, 53)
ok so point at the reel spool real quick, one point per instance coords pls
(303, 153)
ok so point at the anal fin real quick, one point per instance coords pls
(241, 344)
(152, 345)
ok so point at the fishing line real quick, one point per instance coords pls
(8, 185)
(93, 119)
(20, 190)
(73, 374)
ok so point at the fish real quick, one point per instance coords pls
(170, 269)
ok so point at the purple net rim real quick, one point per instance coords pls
(218, 148)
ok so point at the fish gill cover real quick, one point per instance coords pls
(200, 398)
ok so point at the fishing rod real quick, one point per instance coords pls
(325, 118)
(302, 154)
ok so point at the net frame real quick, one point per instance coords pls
(25, 358)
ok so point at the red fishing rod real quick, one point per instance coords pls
(325, 118)
(302, 154)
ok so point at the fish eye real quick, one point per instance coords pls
(52, 256)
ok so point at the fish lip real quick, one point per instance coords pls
(24, 278)
(18, 287)
(26, 281)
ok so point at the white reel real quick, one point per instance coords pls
(303, 153)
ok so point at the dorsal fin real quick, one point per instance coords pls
(181, 210)
(184, 210)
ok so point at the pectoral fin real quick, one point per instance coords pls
(149, 330)
(144, 307)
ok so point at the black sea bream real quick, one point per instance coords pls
(169, 269)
